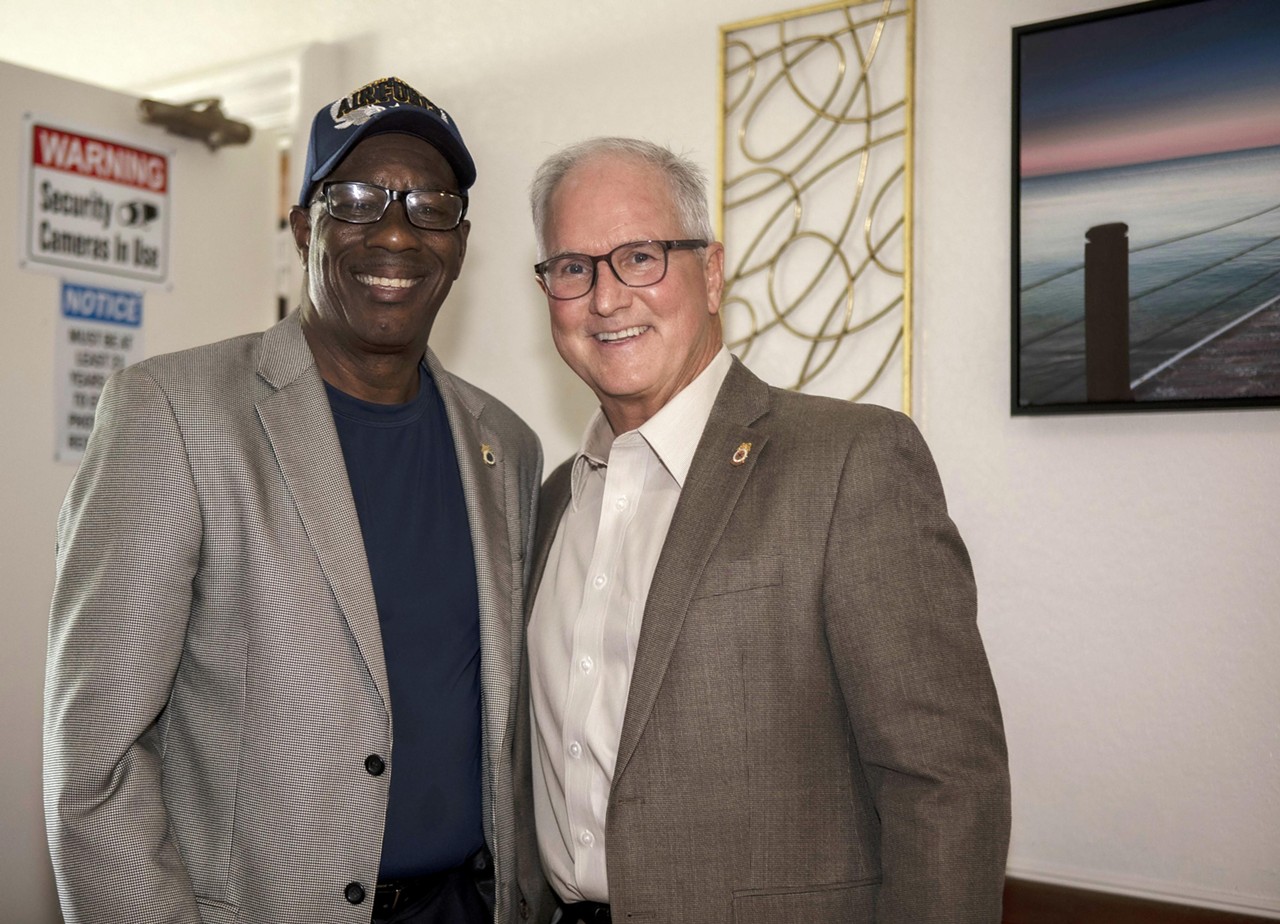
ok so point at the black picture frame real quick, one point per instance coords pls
(1146, 209)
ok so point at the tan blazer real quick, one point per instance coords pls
(216, 676)
(812, 733)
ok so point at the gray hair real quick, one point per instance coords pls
(687, 181)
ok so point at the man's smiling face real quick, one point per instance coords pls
(636, 347)
(377, 288)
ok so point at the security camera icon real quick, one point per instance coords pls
(136, 214)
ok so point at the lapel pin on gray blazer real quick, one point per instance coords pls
(287, 623)
(755, 688)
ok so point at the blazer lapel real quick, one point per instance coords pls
(486, 483)
(299, 424)
(710, 493)
(554, 497)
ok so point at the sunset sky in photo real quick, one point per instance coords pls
(1183, 81)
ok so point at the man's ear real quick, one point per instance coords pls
(715, 276)
(300, 224)
(464, 231)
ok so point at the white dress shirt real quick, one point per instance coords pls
(586, 622)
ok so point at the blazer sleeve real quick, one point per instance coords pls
(129, 536)
(901, 613)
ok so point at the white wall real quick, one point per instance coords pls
(1125, 564)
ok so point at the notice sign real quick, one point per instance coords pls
(96, 205)
(99, 332)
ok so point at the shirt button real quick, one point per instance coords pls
(587, 838)
(575, 750)
(600, 581)
(586, 664)
(621, 503)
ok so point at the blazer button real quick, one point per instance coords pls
(354, 893)
(375, 765)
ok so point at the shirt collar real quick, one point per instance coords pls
(672, 433)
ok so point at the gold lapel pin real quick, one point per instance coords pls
(740, 454)
(486, 453)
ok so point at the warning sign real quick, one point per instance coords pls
(100, 331)
(95, 204)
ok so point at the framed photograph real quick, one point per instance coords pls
(1146, 208)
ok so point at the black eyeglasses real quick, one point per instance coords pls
(639, 263)
(365, 203)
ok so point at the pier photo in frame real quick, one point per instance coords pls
(1146, 208)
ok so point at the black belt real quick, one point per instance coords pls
(396, 893)
(585, 913)
(393, 894)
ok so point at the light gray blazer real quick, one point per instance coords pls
(216, 676)
(812, 733)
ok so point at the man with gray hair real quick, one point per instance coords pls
(755, 684)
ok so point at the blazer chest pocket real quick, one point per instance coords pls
(735, 577)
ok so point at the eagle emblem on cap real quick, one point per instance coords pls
(353, 117)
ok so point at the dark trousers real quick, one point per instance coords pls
(462, 895)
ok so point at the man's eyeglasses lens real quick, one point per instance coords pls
(639, 263)
(365, 203)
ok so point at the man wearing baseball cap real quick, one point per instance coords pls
(289, 600)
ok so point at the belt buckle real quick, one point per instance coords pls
(386, 898)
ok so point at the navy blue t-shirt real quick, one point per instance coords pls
(404, 477)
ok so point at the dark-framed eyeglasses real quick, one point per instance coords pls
(638, 263)
(365, 203)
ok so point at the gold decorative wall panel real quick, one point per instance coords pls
(815, 197)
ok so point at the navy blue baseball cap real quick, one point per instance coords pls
(386, 105)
